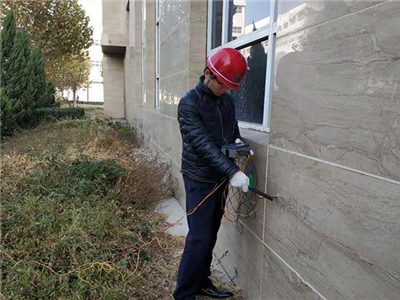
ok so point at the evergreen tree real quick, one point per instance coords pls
(23, 80)
(6, 44)
(50, 98)
(38, 76)
(8, 106)
(19, 88)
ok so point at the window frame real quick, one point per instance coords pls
(143, 53)
(267, 33)
(158, 89)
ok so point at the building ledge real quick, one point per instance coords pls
(113, 43)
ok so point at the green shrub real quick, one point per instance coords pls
(60, 113)
(90, 103)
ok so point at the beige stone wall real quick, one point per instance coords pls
(182, 54)
(333, 160)
(114, 42)
(113, 76)
(332, 155)
(114, 16)
(150, 58)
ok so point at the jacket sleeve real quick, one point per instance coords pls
(195, 133)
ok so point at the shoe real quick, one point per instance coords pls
(213, 292)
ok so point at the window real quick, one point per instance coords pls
(246, 26)
(237, 29)
(256, 16)
(216, 22)
(143, 53)
(158, 90)
(95, 63)
(250, 97)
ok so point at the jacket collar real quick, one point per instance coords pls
(201, 87)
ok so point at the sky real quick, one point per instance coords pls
(93, 9)
(256, 10)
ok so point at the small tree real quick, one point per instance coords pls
(59, 27)
(76, 70)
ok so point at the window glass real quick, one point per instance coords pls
(248, 15)
(250, 98)
(216, 27)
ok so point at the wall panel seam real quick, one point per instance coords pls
(336, 165)
(286, 264)
(332, 20)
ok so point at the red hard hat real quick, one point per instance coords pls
(229, 66)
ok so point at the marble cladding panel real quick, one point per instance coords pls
(114, 109)
(114, 16)
(337, 91)
(172, 13)
(131, 25)
(170, 138)
(294, 15)
(240, 253)
(279, 282)
(174, 49)
(113, 86)
(198, 40)
(152, 125)
(113, 62)
(172, 89)
(135, 117)
(150, 54)
(137, 20)
(339, 229)
(179, 188)
(127, 79)
(253, 215)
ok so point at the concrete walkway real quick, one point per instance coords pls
(174, 211)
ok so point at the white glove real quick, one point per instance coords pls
(239, 141)
(240, 180)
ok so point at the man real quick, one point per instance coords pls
(207, 120)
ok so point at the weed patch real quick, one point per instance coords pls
(77, 201)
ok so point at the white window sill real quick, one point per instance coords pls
(254, 136)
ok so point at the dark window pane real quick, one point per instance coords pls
(216, 27)
(248, 15)
(250, 97)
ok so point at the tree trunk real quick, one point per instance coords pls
(74, 97)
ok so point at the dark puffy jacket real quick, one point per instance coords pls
(207, 122)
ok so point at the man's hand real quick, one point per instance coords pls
(239, 141)
(240, 180)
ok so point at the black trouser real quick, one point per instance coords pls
(204, 224)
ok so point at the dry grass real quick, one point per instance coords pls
(77, 204)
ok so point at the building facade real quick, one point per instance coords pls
(94, 92)
(320, 106)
